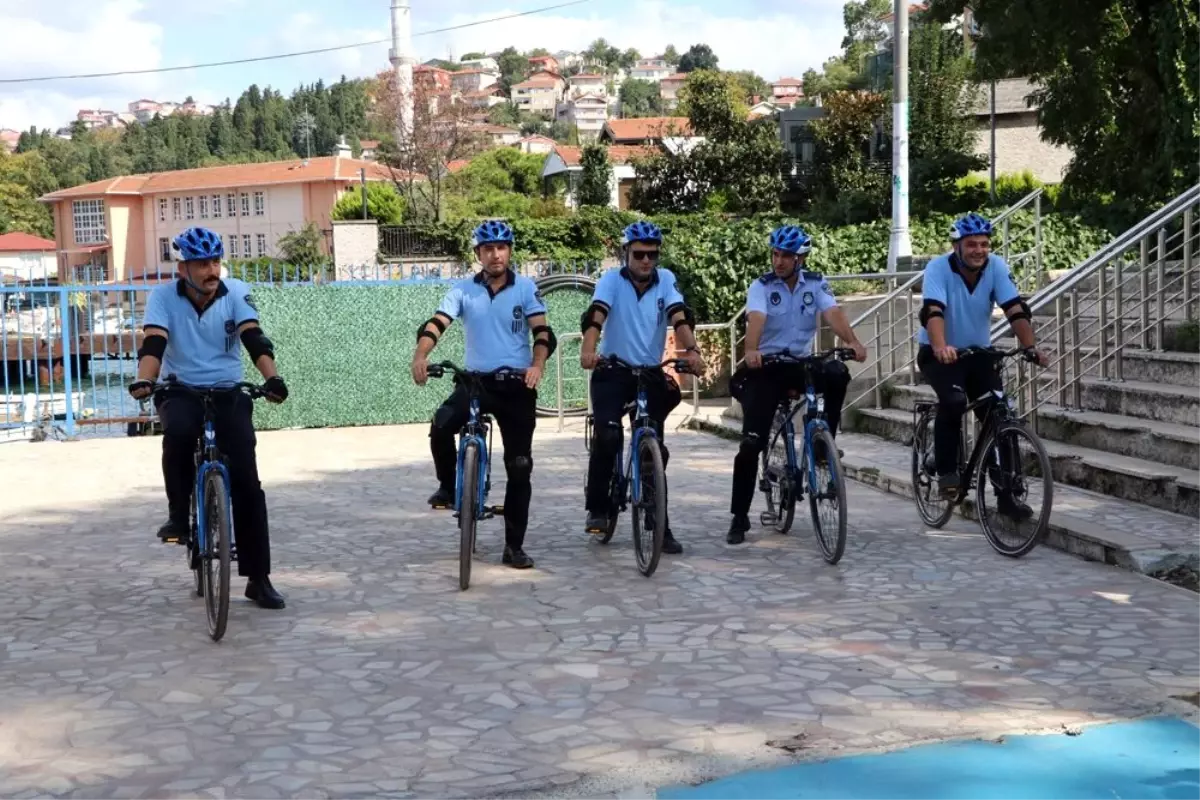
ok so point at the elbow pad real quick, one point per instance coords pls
(689, 316)
(588, 320)
(930, 310)
(550, 341)
(153, 344)
(1023, 310)
(423, 332)
(257, 344)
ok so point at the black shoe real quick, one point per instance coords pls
(173, 532)
(670, 546)
(597, 524)
(442, 498)
(737, 529)
(516, 558)
(948, 485)
(263, 593)
(1007, 505)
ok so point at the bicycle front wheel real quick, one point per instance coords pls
(616, 492)
(934, 509)
(650, 512)
(468, 513)
(827, 497)
(1016, 468)
(215, 558)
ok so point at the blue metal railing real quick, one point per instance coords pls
(70, 349)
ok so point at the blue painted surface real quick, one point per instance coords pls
(1154, 758)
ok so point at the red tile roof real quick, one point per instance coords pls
(617, 153)
(586, 76)
(913, 8)
(678, 76)
(17, 242)
(542, 80)
(321, 169)
(636, 130)
(788, 82)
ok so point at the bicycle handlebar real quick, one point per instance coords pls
(998, 353)
(615, 362)
(172, 383)
(840, 353)
(440, 369)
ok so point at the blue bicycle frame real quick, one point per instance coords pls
(472, 432)
(209, 464)
(633, 462)
(814, 420)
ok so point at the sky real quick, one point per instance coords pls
(775, 38)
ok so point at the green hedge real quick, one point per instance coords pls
(345, 353)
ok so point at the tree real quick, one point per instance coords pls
(24, 177)
(866, 28)
(629, 58)
(1117, 85)
(473, 56)
(302, 248)
(595, 184)
(384, 204)
(846, 139)
(671, 56)
(514, 68)
(698, 56)
(537, 52)
(941, 132)
(603, 54)
(752, 85)
(714, 103)
(640, 98)
(502, 182)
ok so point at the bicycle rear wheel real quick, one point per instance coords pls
(778, 486)
(934, 509)
(468, 513)
(215, 558)
(827, 497)
(650, 512)
(1027, 480)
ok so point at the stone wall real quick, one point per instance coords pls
(355, 244)
(1019, 147)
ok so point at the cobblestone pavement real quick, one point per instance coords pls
(579, 677)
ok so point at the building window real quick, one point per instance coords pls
(189, 207)
(203, 206)
(245, 204)
(162, 209)
(231, 205)
(164, 249)
(233, 245)
(216, 206)
(260, 241)
(88, 217)
(260, 204)
(245, 243)
(176, 210)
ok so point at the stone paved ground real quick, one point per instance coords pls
(580, 677)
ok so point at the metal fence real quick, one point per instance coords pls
(409, 241)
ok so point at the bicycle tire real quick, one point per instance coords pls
(194, 559)
(923, 485)
(831, 551)
(982, 483)
(783, 512)
(215, 560)
(650, 456)
(468, 513)
(614, 501)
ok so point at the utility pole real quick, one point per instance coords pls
(403, 59)
(900, 242)
(992, 159)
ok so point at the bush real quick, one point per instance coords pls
(384, 204)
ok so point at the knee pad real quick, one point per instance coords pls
(519, 467)
(751, 446)
(608, 437)
(442, 418)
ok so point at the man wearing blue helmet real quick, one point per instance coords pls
(959, 290)
(633, 306)
(500, 311)
(192, 329)
(782, 312)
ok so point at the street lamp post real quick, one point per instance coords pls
(900, 242)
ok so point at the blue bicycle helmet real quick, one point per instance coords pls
(642, 231)
(493, 231)
(790, 239)
(970, 225)
(196, 244)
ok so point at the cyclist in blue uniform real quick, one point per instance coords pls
(500, 310)
(633, 305)
(782, 311)
(959, 291)
(192, 329)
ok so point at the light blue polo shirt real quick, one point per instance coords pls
(635, 329)
(203, 346)
(496, 324)
(968, 312)
(791, 315)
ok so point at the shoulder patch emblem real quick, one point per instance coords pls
(776, 298)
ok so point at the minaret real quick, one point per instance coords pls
(402, 57)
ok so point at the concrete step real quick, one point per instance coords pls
(1171, 488)
(1150, 366)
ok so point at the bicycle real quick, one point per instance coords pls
(648, 494)
(473, 476)
(784, 473)
(999, 425)
(211, 548)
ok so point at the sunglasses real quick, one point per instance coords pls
(647, 255)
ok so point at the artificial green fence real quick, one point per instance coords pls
(345, 352)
